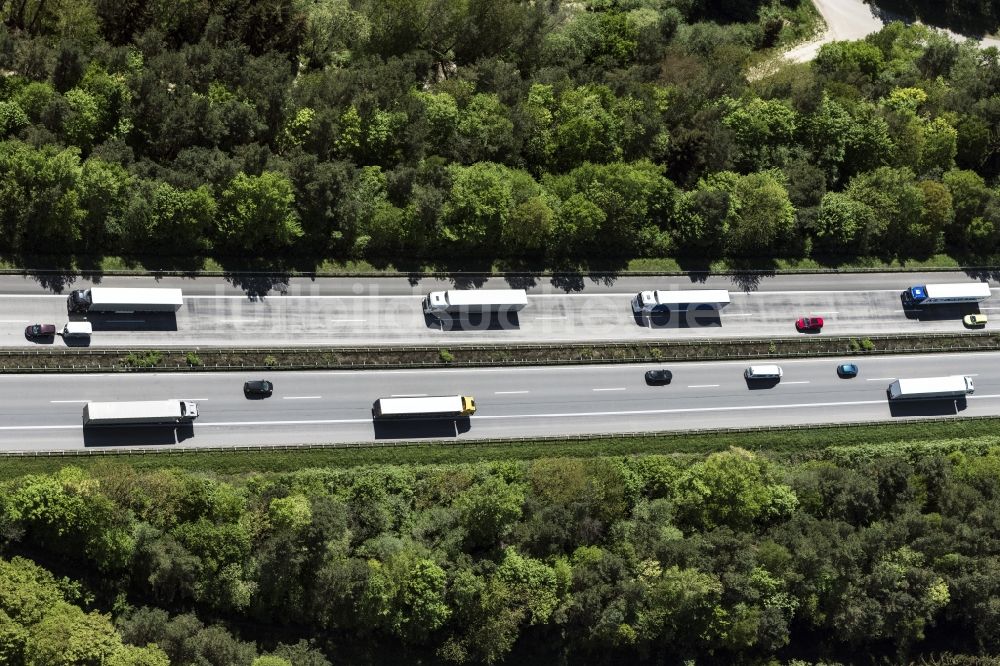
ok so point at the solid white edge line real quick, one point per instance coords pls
(509, 392)
(703, 385)
(302, 397)
(622, 388)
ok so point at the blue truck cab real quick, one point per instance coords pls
(915, 295)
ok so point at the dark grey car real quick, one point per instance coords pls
(659, 376)
(258, 388)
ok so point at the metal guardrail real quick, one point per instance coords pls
(180, 449)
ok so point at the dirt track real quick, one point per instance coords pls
(852, 19)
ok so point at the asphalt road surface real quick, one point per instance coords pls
(44, 412)
(346, 311)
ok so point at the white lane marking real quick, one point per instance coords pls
(14, 321)
(267, 297)
(229, 424)
(622, 388)
(703, 385)
(740, 314)
(827, 312)
(302, 397)
(973, 375)
(685, 410)
(60, 401)
(509, 392)
(347, 321)
(806, 382)
(408, 395)
(552, 317)
(880, 379)
(44, 427)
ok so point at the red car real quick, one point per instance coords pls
(809, 323)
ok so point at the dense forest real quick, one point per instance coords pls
(726, 559)
(468, 133)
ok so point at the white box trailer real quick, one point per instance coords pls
(475, 300)
(953, 386)
(647, 301)
(140, 412)
(433, 406)
(114, 299)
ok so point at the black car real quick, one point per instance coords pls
(258, 387)
(659, 376)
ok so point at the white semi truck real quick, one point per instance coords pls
(461, 301)
(427, 407)
(147, 412)
(928, 388)
(962, 292)
(647, 301)
(114, 299)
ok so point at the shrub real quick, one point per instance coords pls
(446, 356)
(270, 361)
(148, 359)
(193, 360)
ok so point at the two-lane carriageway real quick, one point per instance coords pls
(42, 412)
(384, 311)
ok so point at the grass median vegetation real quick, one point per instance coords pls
(841, 442)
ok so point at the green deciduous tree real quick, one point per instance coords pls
(406, 596)
(760, 217)
(734, 488)
(488, 510)
(256, 214)
(844, 225)
(762, 128)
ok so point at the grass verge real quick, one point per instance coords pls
(852, 442)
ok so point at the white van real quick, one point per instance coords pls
(763, 372)
(77, 329)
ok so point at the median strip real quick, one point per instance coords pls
(386, 357)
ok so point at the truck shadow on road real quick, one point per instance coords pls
(133, 435)
(140, 321)
(940, 312)
(497, 321)
(942, 407)
(421, 428)
(700, 316)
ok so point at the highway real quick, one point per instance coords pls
(376, 311)
(43, 412)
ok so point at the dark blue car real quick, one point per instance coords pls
(847, 370)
